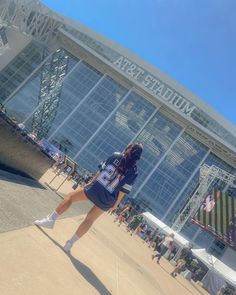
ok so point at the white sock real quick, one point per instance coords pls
(53, 216)
(74, 238)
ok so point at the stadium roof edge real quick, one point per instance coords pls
(152, 69)
(137, 60)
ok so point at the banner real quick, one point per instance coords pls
(217, 215)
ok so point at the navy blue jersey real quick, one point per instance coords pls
(104, 191)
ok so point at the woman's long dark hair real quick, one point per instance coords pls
(131, 155)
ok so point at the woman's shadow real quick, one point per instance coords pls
(83, 269)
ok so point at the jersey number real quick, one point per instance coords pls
(105, 178)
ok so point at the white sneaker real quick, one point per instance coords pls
(45, 222)
(68, 246)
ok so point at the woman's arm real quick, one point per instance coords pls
(119, 198)
(93, 179)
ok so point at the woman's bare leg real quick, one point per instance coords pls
(92, 215)
(75, 196)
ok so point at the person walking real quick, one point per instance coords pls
(121, 217)
(166, 245)
(113, 180)
(134, 223)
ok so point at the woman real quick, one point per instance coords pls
(114, 179)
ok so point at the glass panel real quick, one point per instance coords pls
(75, 88)
(172, 173)
(20, 68)
(89, 116)
(120, 129)
(215, 127)
(43, 92)
(203, 240)
(156, 137)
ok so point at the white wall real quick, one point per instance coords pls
(17, 41)
(229, 258)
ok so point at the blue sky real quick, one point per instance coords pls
(194, 42)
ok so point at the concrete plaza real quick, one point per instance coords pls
(105, 261)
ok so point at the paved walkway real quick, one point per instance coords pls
(23, 200)
(105, 261)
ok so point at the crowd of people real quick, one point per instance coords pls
(162, 244)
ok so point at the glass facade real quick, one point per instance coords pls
(124, 124)
(112, 55)
(212, 125)
(20, 68)
(88, 115)
(172, 173)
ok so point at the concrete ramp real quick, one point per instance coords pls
(21, 155)
(22, 200)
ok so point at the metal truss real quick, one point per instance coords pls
(208, 176)
(31, 18)
(52, 77)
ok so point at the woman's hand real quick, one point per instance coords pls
(113, 208)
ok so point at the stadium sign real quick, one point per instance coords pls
(156, 86)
